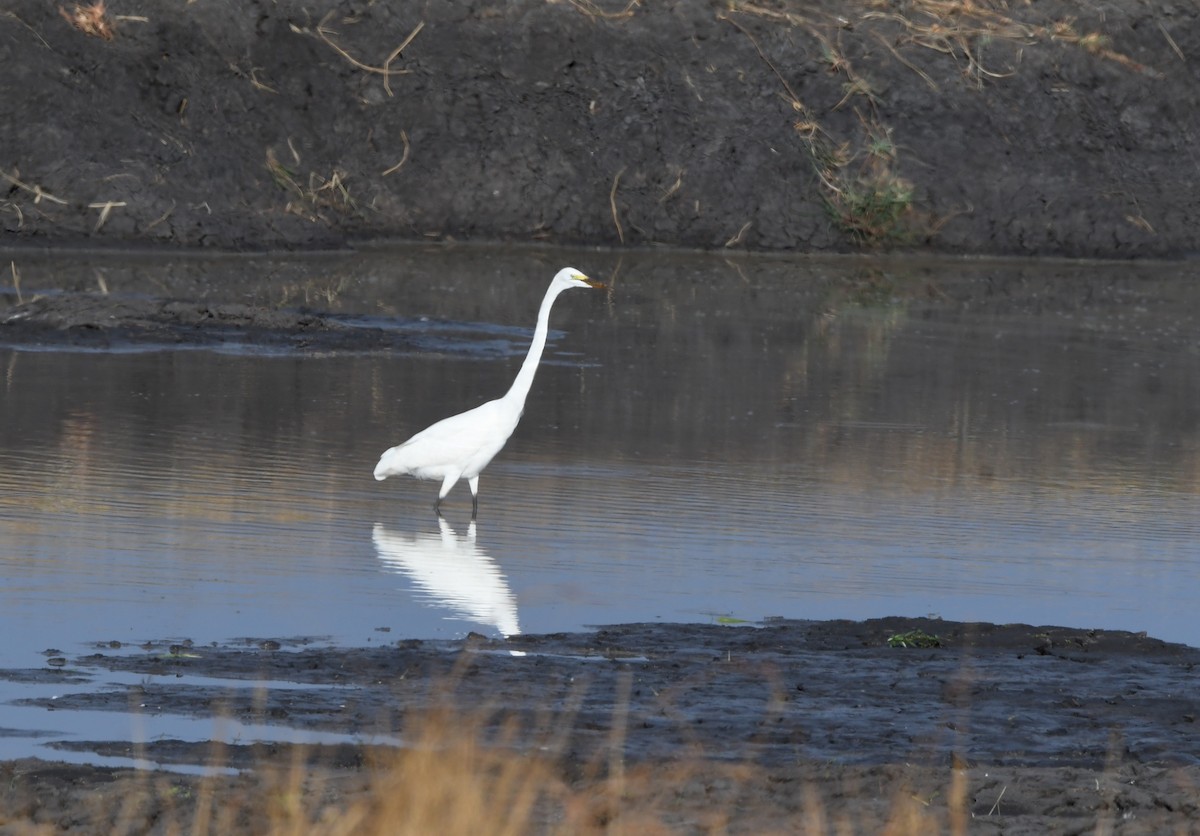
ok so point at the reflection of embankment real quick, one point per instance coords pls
(1076, 380)
(930, 373)
(943, 371)
(453, 572)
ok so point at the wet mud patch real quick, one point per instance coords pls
(837, 690)
(119, 323)
(1044, 725)
(92, 321)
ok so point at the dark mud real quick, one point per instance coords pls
(95, 321)
(1048, 128)
(1054, 729)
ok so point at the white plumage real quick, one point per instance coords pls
(461, 446)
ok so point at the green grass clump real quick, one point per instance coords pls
(914, 638)
(875, 209)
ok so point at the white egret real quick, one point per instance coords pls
(462, 445)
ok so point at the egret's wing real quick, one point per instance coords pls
(450, 444)
(453, 439)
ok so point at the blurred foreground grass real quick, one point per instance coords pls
(480, 775)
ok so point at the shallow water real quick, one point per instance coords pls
(717, 438)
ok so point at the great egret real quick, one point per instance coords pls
(462, 445)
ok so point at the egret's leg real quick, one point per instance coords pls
(473, 483)
(447, 484)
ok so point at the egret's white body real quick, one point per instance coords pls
(461, 446)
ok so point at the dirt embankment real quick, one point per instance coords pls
(1048, 128)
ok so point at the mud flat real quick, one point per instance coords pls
(1003, 728)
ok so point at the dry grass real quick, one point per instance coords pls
(862, 193)
(326, 35)
(595, 11)
(312, 196)
(403, 157)
(612, 205)
(473, 776)
(859, 170)
(91, 20)
(959, 29)
(480, 771)
(38, 193)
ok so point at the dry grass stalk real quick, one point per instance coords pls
(791, 18)
(385, 70)
(396, 53)
(589, 8)
(160, 218)
(335, 186)
(796, 103)
(676, 186)
(260, 85)
(105, 208)
(91, 20)
(737, 239)
(896, 54)
(612, 205)
(32, 31)
(1097, 44)
(1140, 222)
(282, 175)
(403, 157)
(16, 210)
(35, 190)
(1171, 42)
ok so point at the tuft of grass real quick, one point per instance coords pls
(284, 177)
(874, 209)
(319, 193)
(448, 780)
(91, 20)
(868, 200)
(914, 638)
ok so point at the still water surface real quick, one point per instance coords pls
(717, 437)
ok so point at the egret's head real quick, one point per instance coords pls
(570, 277)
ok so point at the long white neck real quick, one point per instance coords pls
(520, 388)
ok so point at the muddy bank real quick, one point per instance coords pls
(1053, 128)
(90, 321)
(1051, 728)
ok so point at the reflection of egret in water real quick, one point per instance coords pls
(454, 571)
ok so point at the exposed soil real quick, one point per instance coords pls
(1049, 729)
(101, 322)
(1061, 127)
